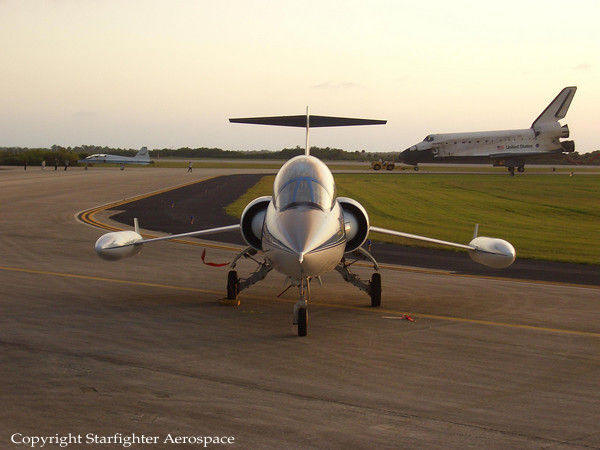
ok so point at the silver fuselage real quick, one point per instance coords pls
(303, 233)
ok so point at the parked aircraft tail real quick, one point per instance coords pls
(143, 154)
(557, 109)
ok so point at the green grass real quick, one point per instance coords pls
(544, 217)
(340, 165)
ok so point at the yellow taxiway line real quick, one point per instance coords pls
(87, 217)
(390, 312)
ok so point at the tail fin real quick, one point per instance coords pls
(557, 109)
(143, 154)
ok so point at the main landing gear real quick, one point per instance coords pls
(371, 287)
(235, 285)
(511, 170)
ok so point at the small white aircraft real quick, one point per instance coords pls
(141, 157)
(509, 148)
(303, 231)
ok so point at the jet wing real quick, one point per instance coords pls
(193, 233)
(123, 244)
(490, 252)
(421, 238)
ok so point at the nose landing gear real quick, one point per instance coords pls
(300, 307)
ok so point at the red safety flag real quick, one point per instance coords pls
(211, 263)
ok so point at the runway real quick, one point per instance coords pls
(144, 345)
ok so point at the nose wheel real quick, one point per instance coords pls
(300, 308)
(302, 322)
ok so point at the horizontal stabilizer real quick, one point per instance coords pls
(314, 121)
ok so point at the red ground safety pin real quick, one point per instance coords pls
(407, 317)
(211, 263)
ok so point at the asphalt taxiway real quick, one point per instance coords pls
(144, 345)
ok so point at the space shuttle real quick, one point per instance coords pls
(508, 148)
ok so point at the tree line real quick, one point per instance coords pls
(60, 155)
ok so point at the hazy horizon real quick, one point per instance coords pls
(170, 74)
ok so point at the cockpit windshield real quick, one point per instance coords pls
(305, 191)
(304, 180)
(428, 138)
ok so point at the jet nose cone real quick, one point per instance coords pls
(304, 230)
(301, 257)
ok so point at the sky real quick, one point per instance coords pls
(170, 73)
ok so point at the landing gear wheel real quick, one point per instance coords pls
(302, 321)
(416, 168)
(376, 166)
(233, 285)
(389, 167)
(375, 290)
(521, 169)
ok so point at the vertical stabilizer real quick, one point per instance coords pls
(557, 109)
(143, 154)
(307, 148)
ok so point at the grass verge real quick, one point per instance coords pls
(545, 217)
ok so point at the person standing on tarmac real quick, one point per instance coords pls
(189, 167)
(66, 164)
(55, 165)
(25, 165)
(43, 164)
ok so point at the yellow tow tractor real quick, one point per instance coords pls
(378, 165)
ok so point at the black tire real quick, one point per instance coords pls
(375, 290)
(302, 322)
(390, 166)
(521, 169)
(376, 166)
(233, 285)
(416, 168)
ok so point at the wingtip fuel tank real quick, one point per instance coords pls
(118, 245)
(492, 252)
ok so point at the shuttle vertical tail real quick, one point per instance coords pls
(143, 154)
(557, 109)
